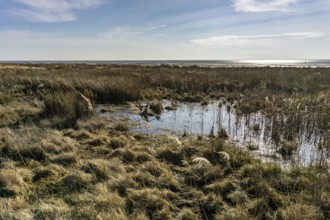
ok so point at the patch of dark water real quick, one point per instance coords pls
(251, 131)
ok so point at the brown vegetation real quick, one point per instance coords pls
(59, 161)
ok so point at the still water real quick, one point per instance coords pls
(254, 129)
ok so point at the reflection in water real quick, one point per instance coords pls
(254, 130)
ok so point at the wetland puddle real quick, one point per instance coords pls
(252, 131)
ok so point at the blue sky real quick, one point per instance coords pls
(159, 29)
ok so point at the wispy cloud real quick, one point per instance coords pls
(262, 5)
(126, 44)
(226, 40)
(50, 10)
(117, 31)
(155, 27)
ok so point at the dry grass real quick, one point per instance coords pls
(59, 162)
(298, 211)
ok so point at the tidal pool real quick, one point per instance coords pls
(247, 131)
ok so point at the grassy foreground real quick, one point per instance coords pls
(60, 161)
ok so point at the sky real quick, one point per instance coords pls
(164, 29)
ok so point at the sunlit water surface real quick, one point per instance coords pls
(193, 118)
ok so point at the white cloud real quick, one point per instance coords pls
(262, 5)
(155, 27)
(51, 10)
(226, 40)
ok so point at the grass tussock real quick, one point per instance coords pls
(65, 159)
(69, 106)
(159, 187)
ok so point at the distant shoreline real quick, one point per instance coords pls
(321, 63)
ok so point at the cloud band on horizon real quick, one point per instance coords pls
(253, 39)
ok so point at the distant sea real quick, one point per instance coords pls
(211, 63)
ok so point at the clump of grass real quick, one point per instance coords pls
(51, 209)
(151, 201)
(74, 183)
(42, 174)
(287, 148)
(188, 151)
(156, 107)
(14, 180)
(222, 134)
(106, 203)
(64, 104)
(98, 168)
(103, 169)
(233, 214)
(122, 184)
(5, 98)
(69, 184)
(18, 113)
(223, 187)
(126, 155)
(53, 142)
(98, 141)
(23, 154)
(237, 198)
(117, 142)
(142, 157)
(91, 124)
(252, 147)
(170, 156)
(186, 214)
(144, 179)
(238, 158)
(14, 208)
(252, 106)
(204, 102)
(154, 168)
(139, 136)
(168, 180)
(7, 193)
(193, 98)
(67, 159)
(117, 90)
(78, 135)
(121, 126)
(211, 204)
(300, 211)
(68, 105)
(17, 148)
(256, 127)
